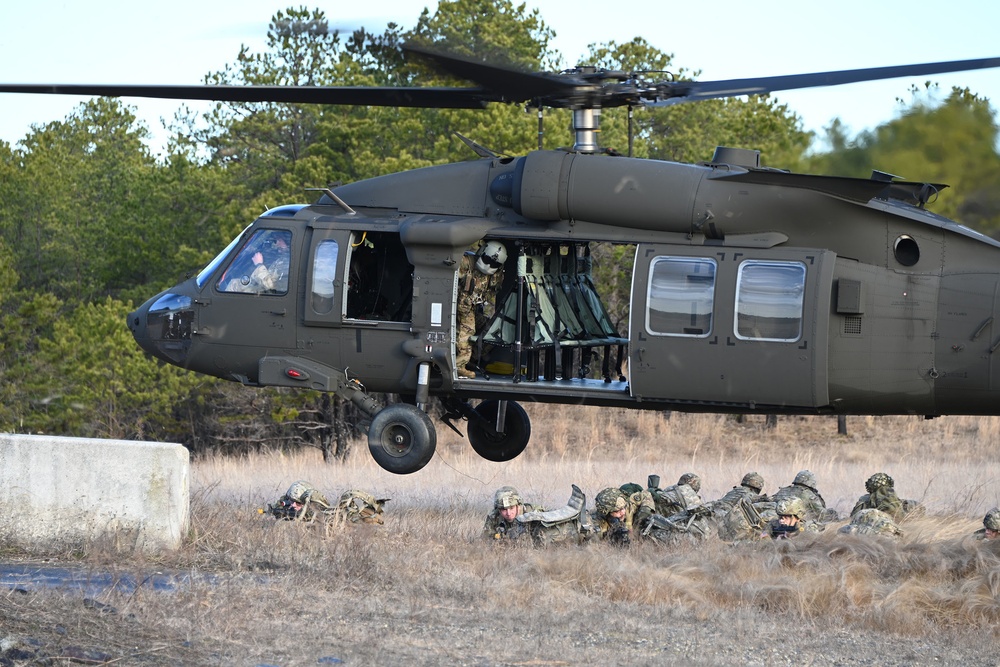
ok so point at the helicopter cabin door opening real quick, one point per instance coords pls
(711, 325)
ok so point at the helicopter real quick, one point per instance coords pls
(753, 290)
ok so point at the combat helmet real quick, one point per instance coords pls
(691, 480)
(506, 496)
(790, 507)
(806, 479)
(491, 257)
(299, 491)
(877, 481)
(753, 480)
(992, 519)
(631, 487)
(610, 500)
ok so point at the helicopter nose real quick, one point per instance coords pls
(162, 326)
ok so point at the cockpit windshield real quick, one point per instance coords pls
(214, 264)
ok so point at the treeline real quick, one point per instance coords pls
(92, 224)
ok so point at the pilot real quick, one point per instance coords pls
(482, 274)
(502, 523)
(991, 526)
(263, 274)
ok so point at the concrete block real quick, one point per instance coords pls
(70, 490)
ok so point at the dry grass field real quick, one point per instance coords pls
(424, 589)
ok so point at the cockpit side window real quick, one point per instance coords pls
(261, 266)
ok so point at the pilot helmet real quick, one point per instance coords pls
(491, 257)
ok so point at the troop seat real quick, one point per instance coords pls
(551, 307)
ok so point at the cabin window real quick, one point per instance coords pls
(261, 266)
(681, 296)
(769, 300)
(324, 275)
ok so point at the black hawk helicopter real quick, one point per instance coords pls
(754, 289)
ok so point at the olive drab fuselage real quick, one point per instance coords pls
(752, 290)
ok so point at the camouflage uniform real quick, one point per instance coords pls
(991, 526)
(675, 499)
(882, 496)
(476, 300)
(303, 502)
(804, 487)
(870, 521)
(750, 489)
(639, 508)
(791, 506)
(496, 527)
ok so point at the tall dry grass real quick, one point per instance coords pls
(424, 589)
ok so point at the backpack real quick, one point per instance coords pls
(567, 525)
(361, 507)
(743, 522)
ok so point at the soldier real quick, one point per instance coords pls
(304, 502)
(502, 523)
(791, 520)
(482, 271)
(674, 499)
(871, 521)
(805, 488)
(882, 496)
(566, 525)
(751, 487)
(616, 514)
(991, 526)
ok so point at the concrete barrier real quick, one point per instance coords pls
(70, 490)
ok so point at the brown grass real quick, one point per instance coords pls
(423, 589)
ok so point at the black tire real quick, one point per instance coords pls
(402, 438)
(517, 431)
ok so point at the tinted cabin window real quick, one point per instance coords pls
(769, 298)
(261, 266)
(324, 275)
(681, 296)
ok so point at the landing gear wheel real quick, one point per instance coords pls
(402, 438)
(504, 446)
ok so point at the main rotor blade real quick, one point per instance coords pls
(691, 91)
(385, 96)
(511, 84)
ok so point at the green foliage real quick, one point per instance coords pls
(952, 142)
(90, 379)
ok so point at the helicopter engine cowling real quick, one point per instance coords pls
(626, 192)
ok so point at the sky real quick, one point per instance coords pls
(113, 41)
